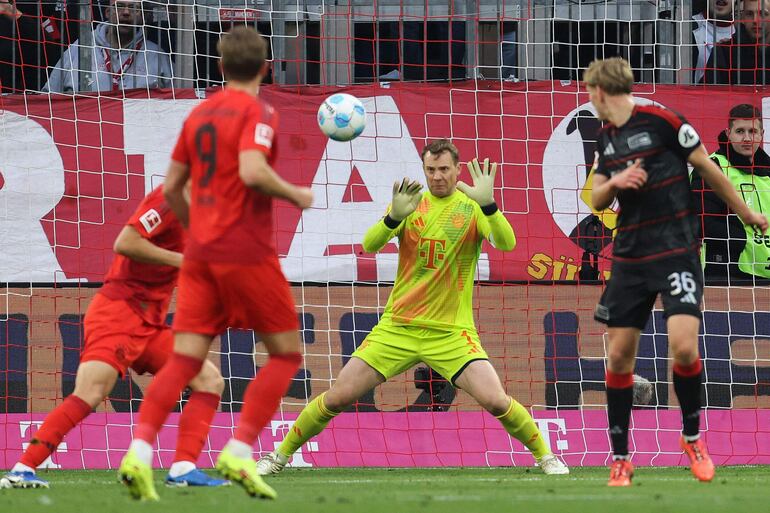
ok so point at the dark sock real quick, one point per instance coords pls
(620, 398)
(687, 385)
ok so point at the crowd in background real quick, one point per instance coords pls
(41, 46)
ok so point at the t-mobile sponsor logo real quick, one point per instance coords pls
(280, 427)
(24, 431)
(559, 426)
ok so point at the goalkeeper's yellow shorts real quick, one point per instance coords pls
(391, 349)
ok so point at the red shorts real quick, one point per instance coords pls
(214, 296)
(115, 334)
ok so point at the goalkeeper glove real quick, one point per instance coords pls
(406, 197)
(482, 191)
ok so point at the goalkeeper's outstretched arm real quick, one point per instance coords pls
(500, 231)
(380, 233)
(406, 197)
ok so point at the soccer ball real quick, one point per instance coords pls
(642, 391)
(342, 117)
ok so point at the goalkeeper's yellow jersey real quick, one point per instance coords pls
(439, 247)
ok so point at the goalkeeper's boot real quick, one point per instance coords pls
(271, 463)
(137, 476)
(700, 462)
(22, 480)
(621, 472)
(195, 477)
(244, 472)
(552, 466)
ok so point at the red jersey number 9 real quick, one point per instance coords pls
(206, 145)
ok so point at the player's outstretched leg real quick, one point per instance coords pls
(355, 379)
(480, 380)
(311, 421)
(136, 468)
(519, 424)
(93, 382)
(262, 398)
(57, 424)
(194, 424)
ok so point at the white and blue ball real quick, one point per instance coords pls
(342, 117)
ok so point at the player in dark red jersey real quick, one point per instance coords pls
(643, 156)
(125, 327)
(231, 276)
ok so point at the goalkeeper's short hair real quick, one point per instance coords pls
(438, 147)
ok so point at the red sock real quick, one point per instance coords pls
(163, 393)
(194, 425)
(57, 424)
(264, 393)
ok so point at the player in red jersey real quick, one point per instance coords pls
(124, 327)
(231, 276)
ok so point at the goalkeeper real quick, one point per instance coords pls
(429, 315)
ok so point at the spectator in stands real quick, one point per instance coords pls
(745, 59)
(733, 251)
(712, 24)
(21, 53)
(121, 57)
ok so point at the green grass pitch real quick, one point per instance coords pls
(375, 490)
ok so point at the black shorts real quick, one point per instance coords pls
(631, 292)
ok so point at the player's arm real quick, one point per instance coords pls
(406, 197)
(131, 244)
(713, 176)
(173, 190)
(257, 173)
(499, 231)
(605, 188)
(496, 229)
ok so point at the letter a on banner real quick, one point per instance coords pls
(327, 245)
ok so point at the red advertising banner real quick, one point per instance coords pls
(75, 168)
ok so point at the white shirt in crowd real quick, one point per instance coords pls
(706, 35)
(142, 64)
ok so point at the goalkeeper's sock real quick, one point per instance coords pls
(687, 385)
(264, 393)
(620, 399)
(57, 424)
(163, 393)
(311, 421)
(194, 425)
(519, 424)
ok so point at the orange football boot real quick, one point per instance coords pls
(700, 462)
(621, 472)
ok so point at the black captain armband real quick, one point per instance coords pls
(390, 222)
(490, 209)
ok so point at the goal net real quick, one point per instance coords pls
(501, 79)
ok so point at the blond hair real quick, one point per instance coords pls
(613, 76)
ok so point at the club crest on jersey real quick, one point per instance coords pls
(263, 135)
(150, 220)
(688, 137)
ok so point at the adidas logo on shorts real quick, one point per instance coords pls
(689, 298)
